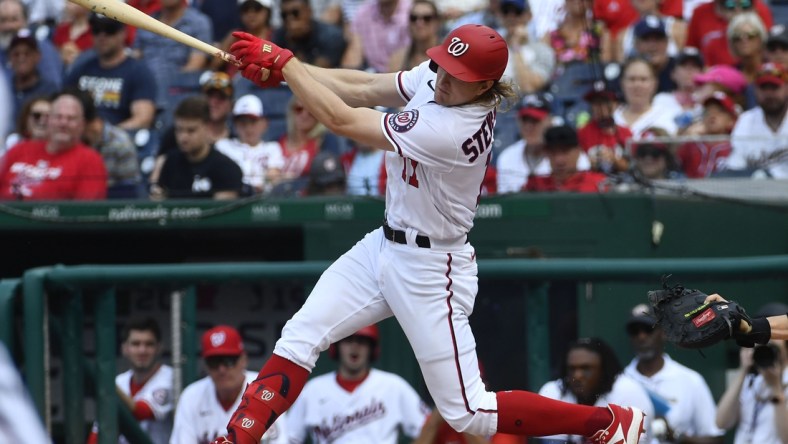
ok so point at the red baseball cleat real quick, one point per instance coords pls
(626, 428)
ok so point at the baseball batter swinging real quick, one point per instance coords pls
(419, 266)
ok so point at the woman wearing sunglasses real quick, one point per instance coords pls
(424, 27)
(709, 23)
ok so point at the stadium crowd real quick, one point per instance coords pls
(614, 95)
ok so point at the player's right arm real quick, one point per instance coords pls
(359, 88)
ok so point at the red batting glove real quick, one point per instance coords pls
(254, 73)
(253, 50)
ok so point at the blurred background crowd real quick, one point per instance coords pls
(616, 95)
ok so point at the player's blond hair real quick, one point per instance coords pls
(503, 94)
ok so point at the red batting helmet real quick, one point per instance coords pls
(370, 332)
(471, 53)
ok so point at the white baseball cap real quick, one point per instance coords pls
(248, 105)
(267, 3)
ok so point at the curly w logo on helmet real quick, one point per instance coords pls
(457, 47)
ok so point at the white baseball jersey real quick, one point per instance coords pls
(434, 186)
(753, 141)
(157, 394)
(200, 418)
(756, 417)
(255, 161)
(692, 410)
(626, 391)
(372, 413)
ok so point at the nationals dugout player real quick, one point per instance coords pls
(419, 265)
(357, 403)
(207, 404)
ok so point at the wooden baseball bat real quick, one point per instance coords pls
(129, 15)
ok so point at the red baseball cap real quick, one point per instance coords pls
(222, 340)
(471, 53)
(725, 101)
(771, 73)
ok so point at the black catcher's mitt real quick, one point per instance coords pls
(688, 322)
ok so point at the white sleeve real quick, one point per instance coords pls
(738, 157)
(551, 390)
(408, 81)
(413, 410)
(420, 134)
(183, 429)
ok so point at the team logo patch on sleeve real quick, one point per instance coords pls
(403, 121)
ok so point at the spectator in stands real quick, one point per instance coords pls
(255, 19)
(755, 400)
(366, 170)
(311, 41)
(525, 157)
(423, 29)
(225, 17)
(707, 28)
(531, 63)
(72, 35)
(26, 81)
(777, 45)
(702, 157)
(261, 162)
(327, 176)
(578, 38)
(760, 135)
(720, 78)
(746, 40)
(688, 64)
(149, 7)
(305, 138)
(651, 43)
(197, 169)
(591, 374)
(146, 388)
(675, 31)
(563, 151)
(746, 36)
(653, 157)
(601, 138)
(206, 405)
(59, 167)
(166, 58)
(13, 19)
(639, 111)
(123, 88)
(378, 30)
(683, 405)
(31, 124)
(217, 88)
(115, 146)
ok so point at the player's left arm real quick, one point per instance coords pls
(777, 324)
(360, 124)
(359, 88)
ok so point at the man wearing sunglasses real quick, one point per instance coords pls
(205, 406)
(312, 41)
(683, 406)
(123, 88)
(707, 28)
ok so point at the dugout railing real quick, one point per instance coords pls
(68, 285)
